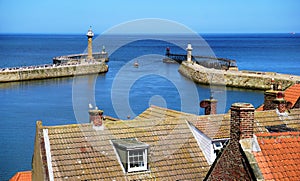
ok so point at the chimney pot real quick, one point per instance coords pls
(209, 105)
(96, 118)
(280, 102)
(280, 95)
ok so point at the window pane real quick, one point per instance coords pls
(136, 158)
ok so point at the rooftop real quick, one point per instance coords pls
(22, 176)
(218, 126)
(292, 94)
(129, 143)
(279, 155)
(80, 152)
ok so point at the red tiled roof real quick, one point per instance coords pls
(22, 176)
(279, 155)
(260, 108)
(292, 94)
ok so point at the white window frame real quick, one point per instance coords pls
(216, 147)
(141, 168)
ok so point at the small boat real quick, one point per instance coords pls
(136, 64)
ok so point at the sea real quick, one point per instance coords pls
(125, 90)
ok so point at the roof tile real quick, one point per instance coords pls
(218, 126)
(22, 176)
(292, 94)
(173, 154)
(278, 159)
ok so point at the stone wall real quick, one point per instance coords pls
(52, 72)
(240, 79)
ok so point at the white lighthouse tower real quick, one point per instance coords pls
(90, 35)
(189, 53)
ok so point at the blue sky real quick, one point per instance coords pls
(203, 16)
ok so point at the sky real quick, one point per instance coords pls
(202, 16)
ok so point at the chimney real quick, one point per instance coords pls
(96, 118)
(241, 122)
(271, 95)
(209, 105)
(280, 102)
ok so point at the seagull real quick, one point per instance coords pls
(90, 106)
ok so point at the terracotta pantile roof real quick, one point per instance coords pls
(22, 176)
(79, 152)
(292, 94)
(279, 155)
(260, 108)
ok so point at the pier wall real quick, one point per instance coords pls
(240, 79)
(51, 71)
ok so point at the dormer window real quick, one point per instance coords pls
(132, 153)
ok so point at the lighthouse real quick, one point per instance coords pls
(90, 35)
(189, 53)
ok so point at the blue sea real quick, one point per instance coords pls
(153, 82)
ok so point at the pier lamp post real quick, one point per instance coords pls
(189, 53)
(90, 35)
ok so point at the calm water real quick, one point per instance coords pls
(23, 103)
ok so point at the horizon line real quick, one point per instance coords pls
(96, 34)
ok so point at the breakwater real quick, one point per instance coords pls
(98, 56)
(231, 78)
(51, 71)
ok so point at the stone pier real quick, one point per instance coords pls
(51, 71)
(239, 79)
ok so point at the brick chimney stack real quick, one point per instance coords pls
(231, 163)
(241, 123)
(271, 95)
(96, 118)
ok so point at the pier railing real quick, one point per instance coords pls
(99, 56)
(43, 66)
